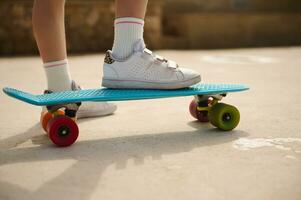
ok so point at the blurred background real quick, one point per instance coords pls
(154, 149)
(170, 24)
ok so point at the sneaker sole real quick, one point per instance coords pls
(91, 114)
(125, 84)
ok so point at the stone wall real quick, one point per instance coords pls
(231, 23)
(89, 26)
(15, 28)
(184, 24)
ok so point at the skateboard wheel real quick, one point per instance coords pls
(46, 116)
(224, 116)
(202, 116)
(192, 108)
(62, 131)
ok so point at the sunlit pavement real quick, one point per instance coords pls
(153, 149)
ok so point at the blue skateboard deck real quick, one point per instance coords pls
(106, 94)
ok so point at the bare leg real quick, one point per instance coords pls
(128, 26)
(49, 29)
(131, 8)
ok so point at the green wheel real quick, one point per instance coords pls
(224, 116)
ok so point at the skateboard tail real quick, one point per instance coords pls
(23, 96)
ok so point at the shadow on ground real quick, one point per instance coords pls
(94, 156)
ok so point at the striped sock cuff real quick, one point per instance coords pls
(56, 63)
(129, 20)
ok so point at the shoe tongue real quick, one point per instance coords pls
(139, 46)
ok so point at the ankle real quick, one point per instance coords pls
(127, 31)
(58, 75)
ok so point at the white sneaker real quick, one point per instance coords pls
(90, 109)
(143, 69)
(95, 109)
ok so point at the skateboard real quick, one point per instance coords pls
(59, 120)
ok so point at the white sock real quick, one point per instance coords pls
(58, 75)
(127, 31)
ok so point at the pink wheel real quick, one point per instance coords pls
(202, 116)
(62, 131)
(192, 109)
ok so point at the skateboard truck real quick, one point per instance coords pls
(218, 97)
(206, 101)
(70, 109)
(203, 105)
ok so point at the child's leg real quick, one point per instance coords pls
(131, 8)
(49, 31)
(129, 25)
(130, 64)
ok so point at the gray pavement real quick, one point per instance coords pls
(153, 149)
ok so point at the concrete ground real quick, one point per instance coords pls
(153, 149)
